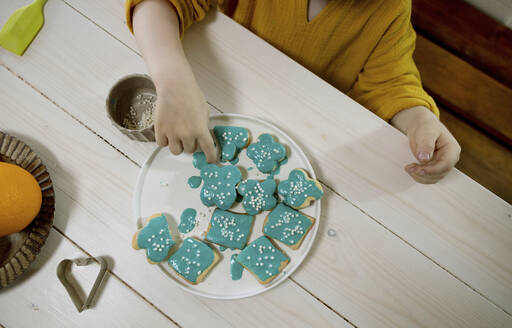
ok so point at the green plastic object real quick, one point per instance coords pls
(22, 27)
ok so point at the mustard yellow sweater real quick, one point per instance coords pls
(362, 47)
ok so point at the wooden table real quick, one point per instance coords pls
(404, 254)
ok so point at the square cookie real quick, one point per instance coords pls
(287, 225)
(229, 229)
(264, 260)
(193, 260)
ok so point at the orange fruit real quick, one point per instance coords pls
(20, 198)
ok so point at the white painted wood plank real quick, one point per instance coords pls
(420, 306)
(365, 289)
(69, 63)
(39, 300)
(457, 223)
(364, 262)
(96, 184)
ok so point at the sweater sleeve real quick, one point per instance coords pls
(188, 11)
(390, 81)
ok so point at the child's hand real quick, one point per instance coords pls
(431, 143)
(181, 117)
(181, 121)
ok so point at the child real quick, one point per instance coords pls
(362, 47)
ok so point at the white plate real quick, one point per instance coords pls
(162, 188)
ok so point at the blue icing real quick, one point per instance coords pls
(266, 153)
(187, 220)
(156, 239)
(257, 196)
(231, 140)
(236, 268)
(199, 160)
(249, 168)
(262, 258)
(219, 185)
(277, 170)
(234, 161)
(229, 229)
(194, 182)
(298, 187)
(222, 248)
(192, 259)
(287, 225)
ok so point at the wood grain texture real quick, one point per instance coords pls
(468, 33)
(501, 10)
(353, 151)
(39, 300)
(347, 272)
(97, 210)
(465, 90)
(482, 158)
(359, 155)
(382, 282)
(94, 186)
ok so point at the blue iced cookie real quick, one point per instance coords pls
(231, 139)
(299, 190)
(193, 260)
(287, 225)
(219, 185)
(155, 237)
(229, 229)
(264, 260)
(258, 196)
(266, 153)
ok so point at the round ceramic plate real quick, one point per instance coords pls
(162, 188)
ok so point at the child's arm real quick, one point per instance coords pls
(390, 86)
(431, 143)
(181, 118)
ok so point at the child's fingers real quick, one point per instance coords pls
(161, 139)
(426, 179)
(418, 174)
(175, 146)
(445, 160)
(189, 144)
(206, 144)
(423, 142)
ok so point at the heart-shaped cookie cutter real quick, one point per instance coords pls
(64, 266)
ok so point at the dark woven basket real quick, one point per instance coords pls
(20, 249)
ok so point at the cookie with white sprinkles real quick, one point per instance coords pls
(287, 225)
(219, 185)
(229, 229)
(266, 153)
(299, 190)
(193, 260)
(264, 260)
(258, 196)
(155, 237)
(231, 139)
